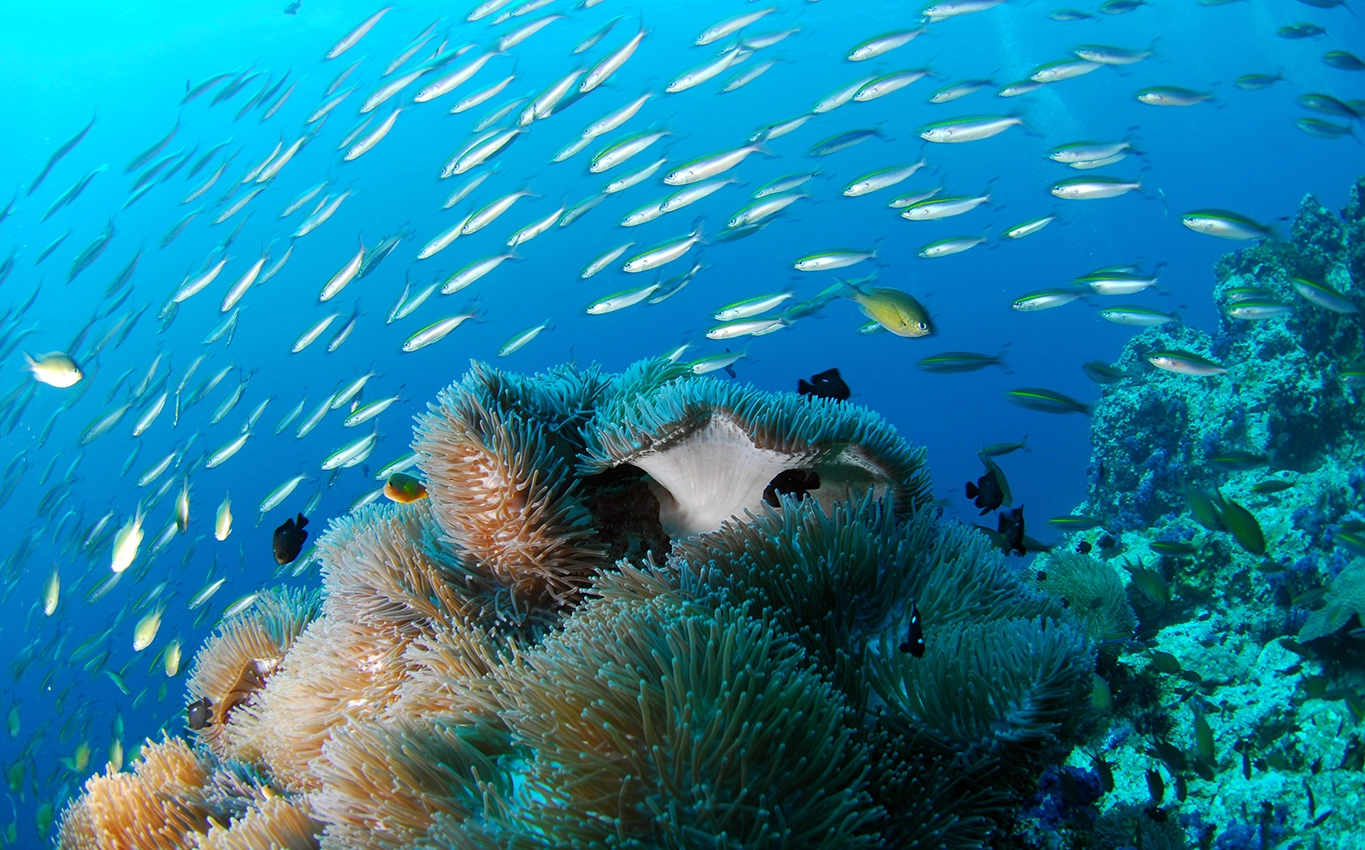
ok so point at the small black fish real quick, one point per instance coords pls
(987, 492)
(199, 713)
(1106, 773)
(292, 8)
(1083, 548)
(1011, 528)
(826, 384)
(1155, 786)
(914, 639)
(289, 540)
(791, 482)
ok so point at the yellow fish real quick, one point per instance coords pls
(222, 525)
(126, 542)
(145, 631)
(891, 308)
(51, 592)
(173, 658)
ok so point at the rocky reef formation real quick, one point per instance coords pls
(1231, 509)
(636, 610)
(1288, 391)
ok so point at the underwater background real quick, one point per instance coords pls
(1244, 148)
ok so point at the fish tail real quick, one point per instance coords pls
(1000, 361)
(876, 247)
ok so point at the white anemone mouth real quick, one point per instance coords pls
(716, 473)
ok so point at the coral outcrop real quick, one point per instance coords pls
(1286, 393)
(637, 610)
(1231, 505)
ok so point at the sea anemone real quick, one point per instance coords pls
(714, 450)
(240, 657)
(156, 806)
(385, 568)
(276, 822)
(1093, 594)
(679, 726)
(498, 469)
(383, 783)
(1003, 688)
(337, 670)
(448, 674)
(934, 801)
(526, 659)
(831, 580)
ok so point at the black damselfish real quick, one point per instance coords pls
(826, 384)
(199, 713)
(914, 639)
(990, 490)
(289, 540)
(1011, 528)
(791, 482)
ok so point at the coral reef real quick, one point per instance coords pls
(1283, 395)
(1230, 508)
(615, 622)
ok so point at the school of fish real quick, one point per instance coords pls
(612, 127)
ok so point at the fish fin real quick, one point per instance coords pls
(877, 246)
(1024, 125)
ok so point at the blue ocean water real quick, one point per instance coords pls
(129, 65)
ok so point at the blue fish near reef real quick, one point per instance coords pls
(1046, 401)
